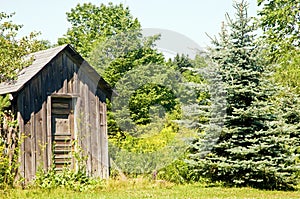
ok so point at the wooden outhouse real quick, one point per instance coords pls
(60, 103)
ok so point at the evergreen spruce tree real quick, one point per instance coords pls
(255, 147)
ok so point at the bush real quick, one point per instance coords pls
(9, 145)
(73, 179)
(67, 178)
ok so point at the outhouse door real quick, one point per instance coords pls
(62, 120)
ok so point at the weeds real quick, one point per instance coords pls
(73, 179)
(67, 178)
(9, 144)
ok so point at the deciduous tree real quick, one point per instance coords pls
(280, 22)
(91, 23)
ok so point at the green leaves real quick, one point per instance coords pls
(91, 24)
(280, 22)
(4, 103)
(13, 50)
(151, 95)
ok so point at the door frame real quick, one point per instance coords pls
(73, 98)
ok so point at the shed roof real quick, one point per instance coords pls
(41, 59)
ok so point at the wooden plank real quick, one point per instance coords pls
(43, 93)
(87, 127)
(63, 137)
(70, 85)
(39, 142)
(47, 79)
(102, 144)
(81, 120)
(44, 135)
(60, 111)
(63, 95)
(75, 77)
(101, 112)
(52, 77)
(97, 153)
(57, 75)
(49, 136)
(27, 159)
(70, 75)
(22, 131)
(27, 141)
(77, 127)
(37, 125)
(93, 132)
(33, 145)
(75, 69)
(60, 105)
(71, 120)
(65, 73)
(65, 86)
(105, 160)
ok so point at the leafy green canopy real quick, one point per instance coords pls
(91, 23)
(140, 125)
(111, 40)
(109, 37)
(12, 50)
(115, 57)
(256, 147)
(280, 22)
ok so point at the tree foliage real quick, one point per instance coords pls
(115, 57)
(12, 49)
(255, 147)
(280, 22)
(140, 119)
(121, 53)
(91, 23)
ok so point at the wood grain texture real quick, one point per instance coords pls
(62, 78)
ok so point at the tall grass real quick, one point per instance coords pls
(146, 188)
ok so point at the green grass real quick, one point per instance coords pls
(146, 189)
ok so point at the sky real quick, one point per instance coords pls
(191, 18)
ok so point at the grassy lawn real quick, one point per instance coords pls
(140, 189)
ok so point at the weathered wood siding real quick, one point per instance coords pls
(62, 77)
